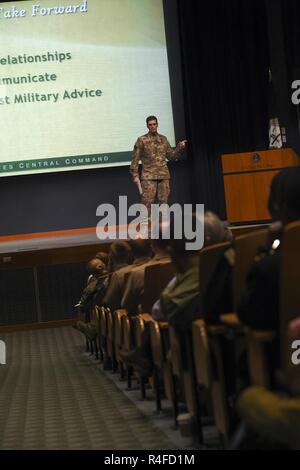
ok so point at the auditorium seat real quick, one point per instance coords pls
(185, 384)
(289, 300)
(210, 373)
(162, 375)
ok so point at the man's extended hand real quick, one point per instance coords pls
(182, 144)
(136, 179)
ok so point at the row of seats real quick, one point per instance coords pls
(194, 367)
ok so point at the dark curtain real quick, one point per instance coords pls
(225, 72)
(290, 17)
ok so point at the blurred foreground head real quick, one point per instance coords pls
(214, 230)
(284, 197)
(207, 229)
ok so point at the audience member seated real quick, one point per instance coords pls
(218, 298)
(97, 270)
(134, 288)
(96, 286)
(120, 261)
(179, 301)
(103, 256)
(259, 307)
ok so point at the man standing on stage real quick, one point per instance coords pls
(153, 149)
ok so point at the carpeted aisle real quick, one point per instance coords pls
(53, 397)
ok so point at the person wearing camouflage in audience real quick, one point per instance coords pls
(97, 285)
(153, 149)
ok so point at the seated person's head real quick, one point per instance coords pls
(120, 253)
(214, 232)
(103, 256)
(141, 248)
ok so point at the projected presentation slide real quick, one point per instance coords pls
(77, 81)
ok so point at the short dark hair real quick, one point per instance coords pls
(91, 266)
(103, 256)
(140, 247)
(151, 118)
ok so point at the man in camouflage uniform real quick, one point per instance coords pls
(153, 149)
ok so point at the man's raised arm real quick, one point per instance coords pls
(173, 154)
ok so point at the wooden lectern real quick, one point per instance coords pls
(247, 179)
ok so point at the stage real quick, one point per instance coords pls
(42, 275)
(48, 240)
(79, 237)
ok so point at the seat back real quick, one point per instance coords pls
(246, 247)
(209, 371)
(127, 335)
(139, 328)
(176, 358)
(118, 314)
(103, 322)
(95, 318)
(183, 368)
(110, 333)
(157, 276)
(159, 349)
(208, 259)
(201, 354)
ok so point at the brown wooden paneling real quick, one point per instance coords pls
(247, 180)
(51, 256)
(244, 229)
(36, 326)
(247, 195)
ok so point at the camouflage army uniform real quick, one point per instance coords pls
(153, 150)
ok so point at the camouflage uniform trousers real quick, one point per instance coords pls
(152, 188)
